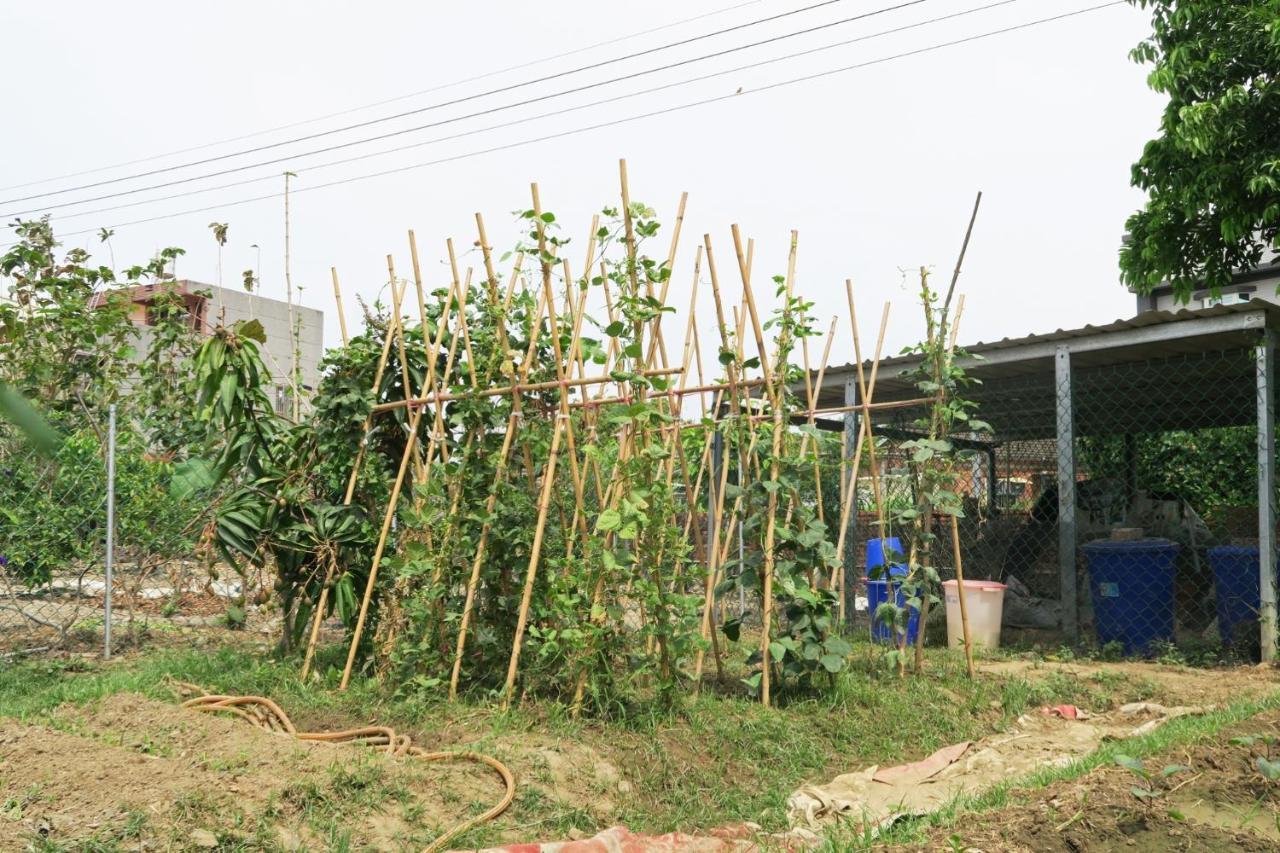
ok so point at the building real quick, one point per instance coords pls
(209, 306)
(1258, 283)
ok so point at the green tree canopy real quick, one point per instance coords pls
(1213, 174)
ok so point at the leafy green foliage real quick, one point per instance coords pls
(1154, 781)
(1212, 176)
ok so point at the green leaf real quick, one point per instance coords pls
(610, 519)
(1268, 768)
(190, 477)
(1133, 765)
(15, 409)
(252, 329)
(832, 663)
(777, 651)
(615, 328)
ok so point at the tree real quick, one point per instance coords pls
(1213, 174)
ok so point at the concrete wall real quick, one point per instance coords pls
(235, 305)
(1261, 288)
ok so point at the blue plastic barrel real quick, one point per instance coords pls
(1238, 588)
(878, 549)
(877, 594)
(1132, 586)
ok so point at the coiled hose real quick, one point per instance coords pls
(267, 715)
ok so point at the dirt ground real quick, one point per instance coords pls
(1214, 799)
(144, 774)
(1169, 684)
(133, 769)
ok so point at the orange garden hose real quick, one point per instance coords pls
(267, 715)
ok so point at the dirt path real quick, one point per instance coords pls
(1213, 799)
(1170, 684)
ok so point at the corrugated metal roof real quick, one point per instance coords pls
(1030, 358)
(1139, 321)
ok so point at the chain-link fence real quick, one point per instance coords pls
(1116, 495)
(97, 551)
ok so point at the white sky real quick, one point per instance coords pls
(876, 168)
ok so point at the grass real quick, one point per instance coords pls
(713, 760)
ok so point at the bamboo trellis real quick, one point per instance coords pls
(576, 489)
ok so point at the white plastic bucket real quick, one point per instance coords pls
(984, 601)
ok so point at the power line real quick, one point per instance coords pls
(442, 122)
(440, 104)
(539, 117)
(626, 120)
(348, 111)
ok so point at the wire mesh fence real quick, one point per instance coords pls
(1148, 543)
(63, 588)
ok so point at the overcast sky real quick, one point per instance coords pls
(875, 167)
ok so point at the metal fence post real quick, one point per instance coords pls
(1066, 495)
(852, 432)
(111, 530)
(1266, 366)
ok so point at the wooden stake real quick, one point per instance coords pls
(964, 609)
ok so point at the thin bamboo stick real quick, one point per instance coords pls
(771, 518)
(318, 617)
(337, 300)
(535, 554)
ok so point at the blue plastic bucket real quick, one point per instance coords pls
(1131, 582)
(883, 632)
(1238, 589)
(878, 549)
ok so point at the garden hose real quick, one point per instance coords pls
(267, 715)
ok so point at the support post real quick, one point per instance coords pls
(1066, 495)
(852, 431)
(111, 530)
(993, 473)
(713, 486)
(1267, 492)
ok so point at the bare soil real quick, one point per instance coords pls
(163, 777)
(1168, 684)
(1220, 803)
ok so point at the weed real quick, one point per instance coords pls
(1155, 783)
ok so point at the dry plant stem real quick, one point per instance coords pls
(535, 554)
(318, 617)
(337, 300)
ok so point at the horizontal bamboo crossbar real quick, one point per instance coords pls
(513, 389)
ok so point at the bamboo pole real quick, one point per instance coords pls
(337, 299)
(318, 617)
(535, 553)
(964, 609)
(513, 424)
(382, 542)
(851, 491)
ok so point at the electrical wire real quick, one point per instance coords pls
(348, 111)
(441, 104)
(487, 128)
(625, 120)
